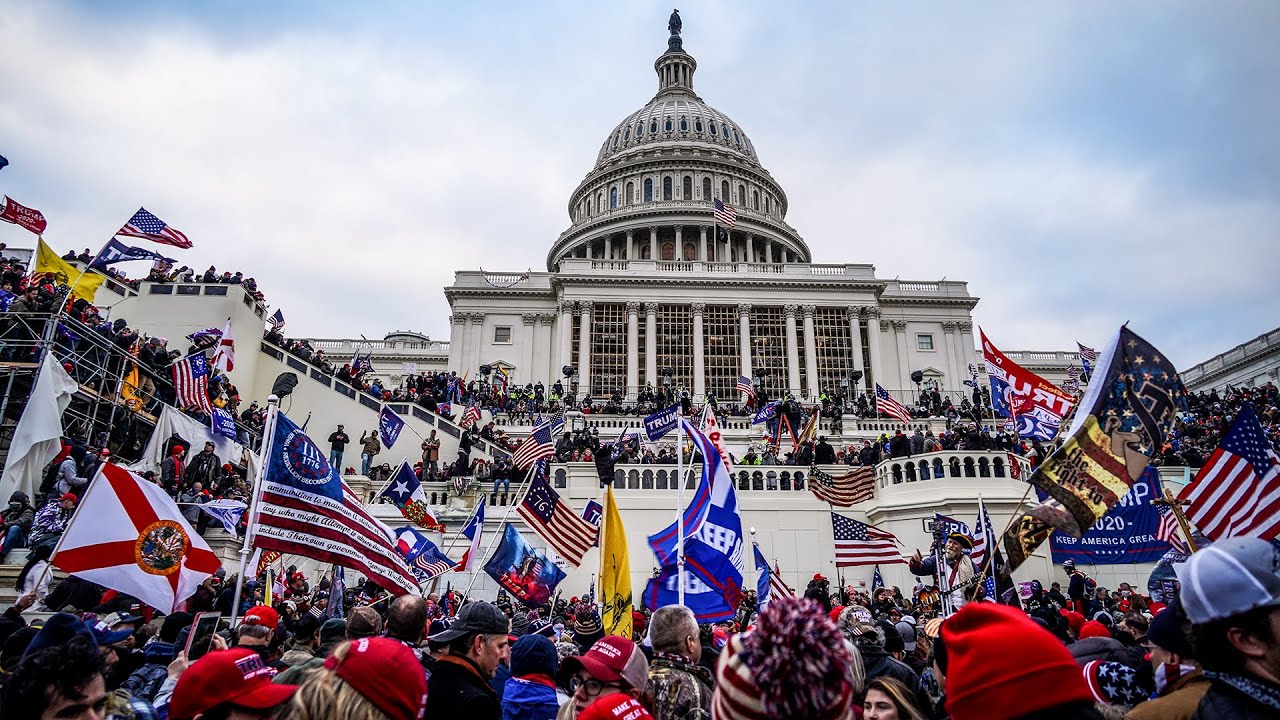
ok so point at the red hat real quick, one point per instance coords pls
(610, 659)
(1093, 628)
(69, 496)
(819, 576)
(236, 676)
(1074, 619)
(261, 615)
(386, 673)
(615, 707)
(835, 613)
(1002, 665)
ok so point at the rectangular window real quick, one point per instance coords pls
(608, 350)
(721, 352)
(924, 341)
(675, 344)
(768, 351)
(502, 334)
(834, 347)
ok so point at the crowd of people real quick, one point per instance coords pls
(1211, 652)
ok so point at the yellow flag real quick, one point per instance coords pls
(615, 572)
(47, 261)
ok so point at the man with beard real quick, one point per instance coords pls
(957, 574)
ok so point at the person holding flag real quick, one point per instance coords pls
(954, 569)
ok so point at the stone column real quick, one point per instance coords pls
(653, 243)
(566, 335)
(476, 332)
(631, 245)
(608, 248)
(953, 367)
(542, 369)
(744, 339)
(811, 353)
(751, 256)
(699, 364)
(633, 349)
(904, 364)
(529, 339)
(651, 343)
(854, 314)
(873, 344)
(965, 350)
(584, 347)
(793, 354)
(457, 339)
(702, 243)
(679, 250)
(768, 252)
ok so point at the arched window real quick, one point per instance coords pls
(639, 129)
(645, 252)
(648, 189)
(736, 140)
(630, 194)
(697, 125)
(742, 194)
(667, 125)
(668, 251)
(755, 200)
(626, 135)
(653, 127)
(768, 205)
(690, 252)
(706, 188)
(712, 127)
(615, 142)
(684, 124)
(588, 207)
(687, 189)
(613, 198)
(724, 190)
(725, 129)
(666, 188)
(600, 201)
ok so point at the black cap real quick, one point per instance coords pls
(1168, 631)
(476, 617)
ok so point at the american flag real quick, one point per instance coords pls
(1073, 372)
(470, 416)
(1237, 492)
(535, 447)
(887, 405)
(777, 587)
(553, 519)
(191, 382)
(861, 544)
(984, 536)
(725, 214)
(277, 320)
(1168, 531)
(843, 490)
(149, 227)
(745, 386)
(1087, 353)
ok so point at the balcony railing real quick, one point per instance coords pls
(949, 465)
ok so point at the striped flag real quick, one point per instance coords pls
(777, 587)
(725, 214)
(265, 561)
(424, 559)
(888, 406)
(843, 490)
(745, 386)
(1237, 492)
(862, 544)
(1088, 358)
(472, 532)
(191, 382)
(537, 446)
(470, 416)
(149, 227)
(552, 518)
(1169, 531)
(984, 536)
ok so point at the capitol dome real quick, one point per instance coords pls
(658, 174)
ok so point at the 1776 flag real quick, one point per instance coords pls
(887, 405)
(149, 227)
(277, 320)
(191, 382)
(553, 519)
(843, 490)
(862, 544)
(1237, 492)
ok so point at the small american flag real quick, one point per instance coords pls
(149, 227)
(1168, 531)
(843, 490)
(470, 417)
(535, 447)
(887, 405)
(861, 544)
(553, 519)
(745, 386)
(725, 214)
(1237, 492)
(1087, 353)
(777, 587)
(191, 382)
(1073, 372)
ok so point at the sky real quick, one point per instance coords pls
(1080, 165)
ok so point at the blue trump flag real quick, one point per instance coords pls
(297, 461)
(117, 252)
(1126, 534)
(223, 423)
(766, 413)
(763, 580)
(389, 426)
(877, 580)
(661, 422)
(712, 544)
(522, 571)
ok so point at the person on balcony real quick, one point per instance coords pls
(899, 446)
(338, 440)
(823, 453)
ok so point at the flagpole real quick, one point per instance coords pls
(528, 476)
(680, 503)
(268, 437)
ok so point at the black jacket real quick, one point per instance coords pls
(824, 454)
(1225, 701)
(899, 446)
(457, 691)
(878, 663)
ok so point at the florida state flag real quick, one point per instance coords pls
(26, 217)
(128, 535)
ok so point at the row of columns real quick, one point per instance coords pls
(734, 249)
(584, 308)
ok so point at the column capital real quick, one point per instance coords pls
(651, 308)
(965, 326)
(653, 229)
(871, 311)
(809, 310)
(564, 306)
(750, 235)
(704, 228)
(853, 312)
(679, 228)
(529, 318)
(546, 318)
(455, 319)
(633, 307)
(789, 311)
(950, 325)
(697, 307)
(885, 325)
(899, 325)
(584, 307)
(744, 310)
(630, 233)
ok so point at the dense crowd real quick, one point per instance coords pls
(1069, 654)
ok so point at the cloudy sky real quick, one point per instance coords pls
(1080, 164)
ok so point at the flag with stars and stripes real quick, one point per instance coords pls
(551, 517)
(536, 447)
(149, 227)
(888, 406)
(191, 382)
(1169, 531)
(725, 214)
(843, 490)
(1237, 492)
(1088, 358)
(862, 544)
(745, 386)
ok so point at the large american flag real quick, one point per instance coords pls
(536, 447)
(553, 519)
(984, 536)
(887, 405)
(1237, 492)
(861, 544)
(843, 490)
(725, 214)
(745, 386)
(149, 227)
(191, 382)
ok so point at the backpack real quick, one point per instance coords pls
(1090, 585)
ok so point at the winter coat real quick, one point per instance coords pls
(1246, 702)
(1098, 648)
(145, 682)
(23, 516)
(680, 690)
(529, 699)
(878, 663)
(457, 690)
(1178, 702)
